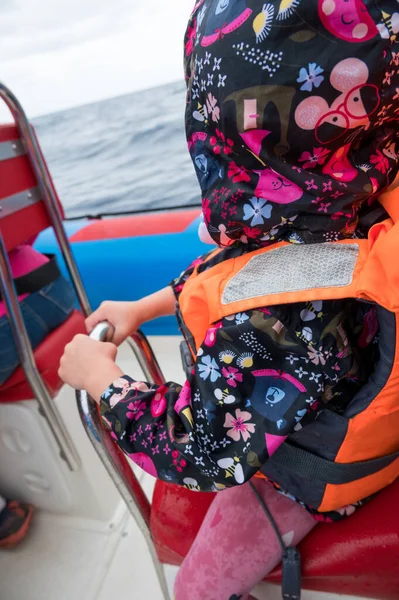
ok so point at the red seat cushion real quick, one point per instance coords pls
(357, 556)
(176, 516)
(47, 357)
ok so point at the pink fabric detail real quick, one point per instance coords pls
(254, 138)
(159, 403)
(23, 260)
(208, 40)
(184, 398)
(198, 136)
(197, 5)
(277, 188)
(236, 546)
(294, 381)
(251, 114)
(192, 32)
(266, 373)
(144, 462)
(210, 338)
(238, 21)
(280, 375)
(273, 442)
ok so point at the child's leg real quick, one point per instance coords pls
(236, 546)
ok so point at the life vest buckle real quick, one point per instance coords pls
(291, 574)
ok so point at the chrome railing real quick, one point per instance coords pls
(36, 160)
(146, 358)
(47, 406)
(109, 453)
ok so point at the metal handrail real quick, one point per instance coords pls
(110, 454)
(49, 410)
(145, 357)
(22, 342)
(36, 160)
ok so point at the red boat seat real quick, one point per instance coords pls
(358, 556)
(17, 178)
(20, 221)
(47, 356)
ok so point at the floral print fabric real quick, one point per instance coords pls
(292, 115)
(259, 376)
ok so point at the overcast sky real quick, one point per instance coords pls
(60, 53)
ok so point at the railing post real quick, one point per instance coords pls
(22, 342)
(29, 140)
(117, 464)
(146, 358)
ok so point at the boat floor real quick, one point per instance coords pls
(68, 559)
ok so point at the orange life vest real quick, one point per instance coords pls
(337, 459)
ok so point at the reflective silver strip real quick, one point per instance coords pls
(12, 204)
(293, 268)
(11, 149)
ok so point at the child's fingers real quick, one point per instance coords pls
(92, 320)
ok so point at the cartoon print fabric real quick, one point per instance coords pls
(259, 376)
(292, 115)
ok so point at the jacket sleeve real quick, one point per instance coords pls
(254, 382)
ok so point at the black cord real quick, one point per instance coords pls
(269, 516)
(138, 211)
(291, 576)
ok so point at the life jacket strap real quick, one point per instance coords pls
(312, 467)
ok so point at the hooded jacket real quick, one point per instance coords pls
(292, 115)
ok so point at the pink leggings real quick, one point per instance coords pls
(236, 546)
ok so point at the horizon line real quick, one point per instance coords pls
(105, 99)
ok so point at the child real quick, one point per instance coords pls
(291, 121)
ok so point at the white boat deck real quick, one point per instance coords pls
(69, 558)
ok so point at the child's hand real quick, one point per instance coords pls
(126, 317)
(89, 365)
